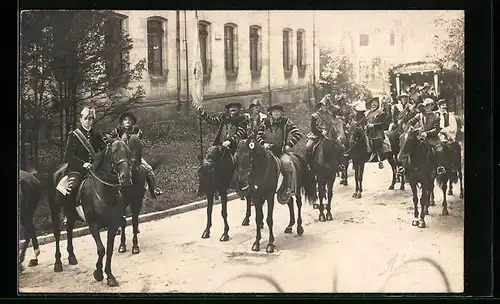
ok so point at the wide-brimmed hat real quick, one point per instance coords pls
(86, 111)
(377, 99)
(129, 115)
(255, 102)
(233, 104)
(404, 94)
(427, 102)
(360, 106)
(276, 107)
(441, 101)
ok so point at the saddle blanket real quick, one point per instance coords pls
(63, 185)
(280, 175)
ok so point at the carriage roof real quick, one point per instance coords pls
(416, 67)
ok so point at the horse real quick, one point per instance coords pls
(29, 196)
(327, 158)
(251, 134)
(418, 170)
(216, 177)
(257, 173)
(456, 162)
(102, 204)
(359, 155)
(451, 174)
(134, 195)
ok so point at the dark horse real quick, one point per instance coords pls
(29, 196)
(418, 170)
(134, 195)
(257, 172)
(327, 159)
(101, 198)
(214, 178)
(359, 155)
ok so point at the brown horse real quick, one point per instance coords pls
(102, 204)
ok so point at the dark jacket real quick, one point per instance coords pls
(224, 120)
(289, 133)
(430, 126)
(320, 122)
(76, 154)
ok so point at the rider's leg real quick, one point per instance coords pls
(151, 180)
(309, 147)
(285, 191)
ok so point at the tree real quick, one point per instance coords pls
(71, 58)
(450, 44)
(337, 74)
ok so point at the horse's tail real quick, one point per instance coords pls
(308, 181)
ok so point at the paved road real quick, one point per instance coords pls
(361, 250)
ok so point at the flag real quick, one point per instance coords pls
(197, 89)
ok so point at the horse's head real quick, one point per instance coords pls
(135, 146)
(249, 154)
(407, 143)
(118, 156)
(355, 133)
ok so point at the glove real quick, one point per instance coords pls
(87, 165)
(267, 146)
(323, 132)
(424, 134)
(287, 148)
(226, 143)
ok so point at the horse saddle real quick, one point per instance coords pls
(78, 206)
(280, 175)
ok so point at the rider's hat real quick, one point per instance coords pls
(276, 107)
(86, 111)
(255, 102)
(404, 94)
(441, 101)
(129, 115)
(360, 106)
(233, 104)
(427, 102)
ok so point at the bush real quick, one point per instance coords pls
(177, 140)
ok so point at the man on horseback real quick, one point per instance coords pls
(322, 124)
(430, 128)
(375, 120)
(232, 128)
(279, 134)
(255, 117)
(448, 123)
(82, 146)
(126, 128)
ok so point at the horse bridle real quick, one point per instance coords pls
(253, 186)
(114, 166)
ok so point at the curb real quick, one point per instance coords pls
(45, 239)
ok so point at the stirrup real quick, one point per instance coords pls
(380, 165)
(441, 170)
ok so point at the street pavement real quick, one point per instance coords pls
(362, 250)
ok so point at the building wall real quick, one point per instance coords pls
(162, 100)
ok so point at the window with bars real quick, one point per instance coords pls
(392, 38)
(155, 46)
(114, 60)
(255, 50)
(204, 38)
(230, 48)
(364, 39)
(287, 55)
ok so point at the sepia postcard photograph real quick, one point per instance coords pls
(241, 151)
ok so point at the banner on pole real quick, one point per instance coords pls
(197, 89)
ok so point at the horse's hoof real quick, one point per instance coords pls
(261, 226)
(270, 248)
(256, 247)
(112, 282)
(246, 222)
(450, 192)
(402, 188)
(461, 195)
(445, 212)
(391, 187)
(118, 232)
(288, 230)
(421, 224)
(432, 203)
(300, 230)
(206, 234)
(224, 238)
(98, 276)
(329, 217)
(426, 212)
(33, 262)
(355, 194)
(135, 250)
(322, 218)
(122, 248)
(72, 260)
(359, 195)
(414, 223)
(58, 267)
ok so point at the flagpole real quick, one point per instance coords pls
(198, 82)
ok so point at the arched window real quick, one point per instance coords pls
(255, 49)
(156, 45)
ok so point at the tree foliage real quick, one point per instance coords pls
(337, 75)
(450, 44)
(71, 58)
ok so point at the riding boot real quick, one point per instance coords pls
(153, 190)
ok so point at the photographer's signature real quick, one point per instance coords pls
(395, 261)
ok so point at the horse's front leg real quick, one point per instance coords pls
(329, 186)
(109, 252)
(210, 205)
(136, 209)
(246, 220)
(445, 203)
(394, 171)
(424, 203)
(101, 251)
(460, 179)
(291, 222)
(414, 192)
(402, 185)
(361, 173)
(300, 229)
(450, 187)
(356, 179)
(225, 235)
(431, 194)
(322, 195)
(259, 218)
(123, 240)
(270, 209)
(69, 234)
